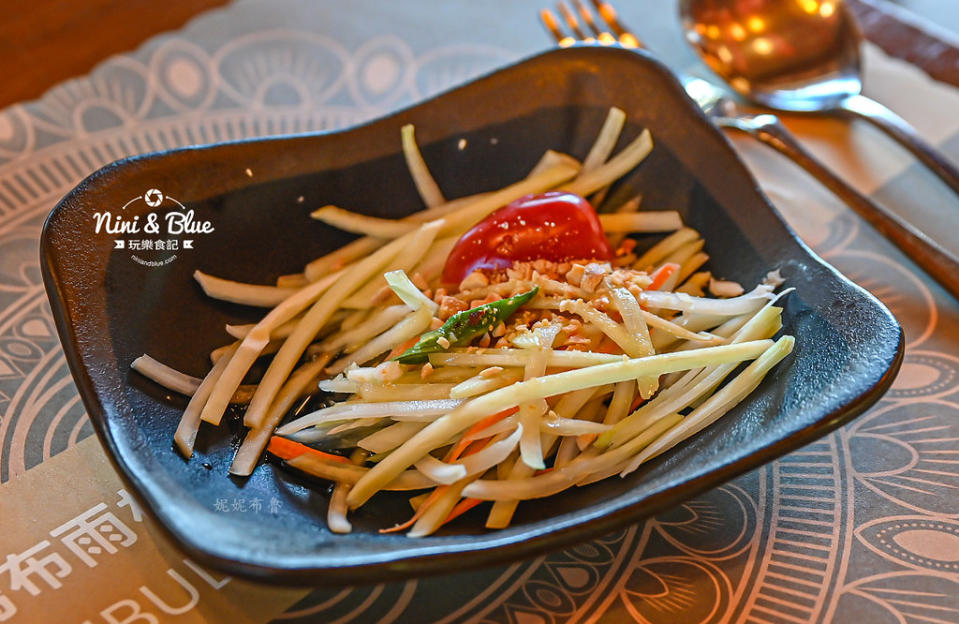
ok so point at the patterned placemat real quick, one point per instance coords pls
(862, 524)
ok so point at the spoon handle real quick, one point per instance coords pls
(900, 130)
(938, 263)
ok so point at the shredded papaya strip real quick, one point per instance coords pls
(460, 508)
(662, 274)
(457, 451)
(288, 449)
(478, 445)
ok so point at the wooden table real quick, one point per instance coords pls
(43, 42)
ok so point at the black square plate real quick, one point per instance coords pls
(110, 309)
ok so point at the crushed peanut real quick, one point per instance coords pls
(419, 281)
(492, 371)
(575, 275)
(390, 370)
(626, 247)
(426, 371)
(450, 306)
(593, 275)
(725, 288)
(476, 279)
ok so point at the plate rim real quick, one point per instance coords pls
(482, 556)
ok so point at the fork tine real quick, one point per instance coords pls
(570, 18)
(609, 15)
(603, 36)
(551, 22)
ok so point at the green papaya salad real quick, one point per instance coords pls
(488, 349)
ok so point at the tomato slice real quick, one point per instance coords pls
(555, 226)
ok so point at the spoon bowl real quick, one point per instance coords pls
(797, 56)
(778, 53)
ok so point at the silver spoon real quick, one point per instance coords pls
(800, 56)
(724, 112)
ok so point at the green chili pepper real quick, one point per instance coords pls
(464, 326)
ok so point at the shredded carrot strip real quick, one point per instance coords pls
(288, 449)
(636, 403)
(476, 446)
(457, 451)
(662, 274)
(434, 495)
(402, 348)
(468, 503)
(608, 346)
(461, 508)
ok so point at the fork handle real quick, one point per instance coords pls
(899, 129)
(937, 262)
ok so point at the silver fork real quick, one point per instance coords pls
(723, 111)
